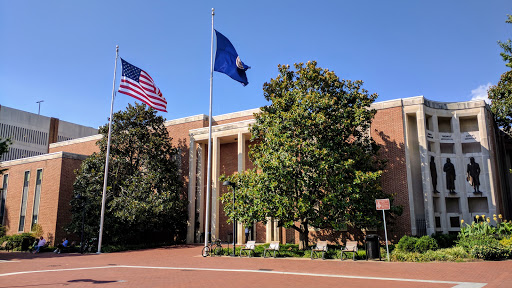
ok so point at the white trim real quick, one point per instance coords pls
(76, 141)
(44, 157)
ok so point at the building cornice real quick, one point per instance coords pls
(44, 157)
(77, 140)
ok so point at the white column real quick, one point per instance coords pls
(240, 235)
(191, 191)
(269, 230)
(425, 171)
(215, 186)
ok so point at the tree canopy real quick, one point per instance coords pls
(145, 197)
(4, 148)
(501, 93)
(315, 162)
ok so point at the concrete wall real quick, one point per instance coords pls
(31, 133)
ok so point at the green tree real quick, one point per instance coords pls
(315, 162)
(145, 196)
(4, 148)
(501, 93)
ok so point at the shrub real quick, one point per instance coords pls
(467, 243)
(447, 254)
(16, 240)
(37, 230)
(445, 240)
(3, 230)
(507, 242)
(425, 244)
(494, 251)
(407, 244)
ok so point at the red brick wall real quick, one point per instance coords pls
(180, 139)
(48, 205)
(84, 148)
(388, 131)
(67, 178)
(228, 166)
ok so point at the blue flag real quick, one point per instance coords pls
(227, 60)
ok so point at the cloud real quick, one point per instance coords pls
(480, 93)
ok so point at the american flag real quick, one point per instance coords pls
(137, 83)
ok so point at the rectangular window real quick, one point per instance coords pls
(3, 196)
(24, 197)
(37, 196)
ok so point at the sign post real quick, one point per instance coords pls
(383, 204)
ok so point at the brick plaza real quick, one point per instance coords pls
(182, 266)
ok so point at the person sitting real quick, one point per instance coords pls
(61, 246)
(40, 244)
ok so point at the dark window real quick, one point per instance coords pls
(24, 197)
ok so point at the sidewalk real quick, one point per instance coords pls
(182, 266)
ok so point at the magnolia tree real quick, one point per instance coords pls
(501, 93)
(145, 195)
(315, 162)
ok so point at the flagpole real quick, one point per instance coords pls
(104, 196)
(209, 173)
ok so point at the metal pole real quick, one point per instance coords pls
(209, 169)
(386, 234)
(39, 110)
(234, 233)
(104, 196)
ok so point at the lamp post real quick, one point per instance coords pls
(83, 199)
(229, 183)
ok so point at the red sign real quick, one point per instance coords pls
(382, 204)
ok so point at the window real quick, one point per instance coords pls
(24, 197)
(3, 195)
(37, 196)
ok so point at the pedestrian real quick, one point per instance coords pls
(40, 244)
(246, 234)
(61, 246)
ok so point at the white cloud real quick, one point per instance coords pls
(480, 93)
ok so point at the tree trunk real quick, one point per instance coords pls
(303, 236)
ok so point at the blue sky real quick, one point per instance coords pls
(63, 52)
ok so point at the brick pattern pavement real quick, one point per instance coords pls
(496, 274)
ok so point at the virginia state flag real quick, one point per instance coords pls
(227, 60)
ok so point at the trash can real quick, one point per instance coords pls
(372, 246)
(25, 243)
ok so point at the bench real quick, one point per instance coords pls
(350, 247)
(321, 247)
(274, 246)
(249, 247)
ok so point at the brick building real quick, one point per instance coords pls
(412, 132)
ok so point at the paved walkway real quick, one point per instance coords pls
(182, 266)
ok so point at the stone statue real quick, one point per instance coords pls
(450, 175)
(433, 173)
(473, 173)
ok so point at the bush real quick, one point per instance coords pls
(507, 242)
(445, 240)
(495, 251)
(425, 244)
(15, 241)
(467, 243)
(447, 254)
(407, 244)
(3, 230)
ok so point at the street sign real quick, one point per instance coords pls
(382, 204)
